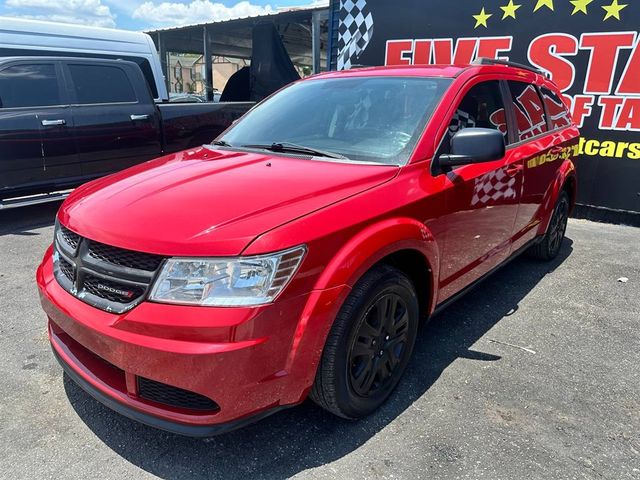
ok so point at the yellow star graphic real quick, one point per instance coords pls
(510, 10)
(543, 3)
(481, 18)
(613, 10)
(580, 6)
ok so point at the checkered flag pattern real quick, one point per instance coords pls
(356, 30)
(460, 120)
(493, 186)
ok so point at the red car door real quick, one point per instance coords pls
(482, 199)
(541, 146)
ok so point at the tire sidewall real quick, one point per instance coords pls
(349, 402)
(562, 206)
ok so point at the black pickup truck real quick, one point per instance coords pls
(64, 121)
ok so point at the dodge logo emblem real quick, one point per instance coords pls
(117, 291)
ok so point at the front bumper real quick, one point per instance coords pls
(249, 361)
(152, 420)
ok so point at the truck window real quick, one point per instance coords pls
(101, 84)
(482, 107)
(142, 62)
(145, 66)
(25, 85)
(556, 109)
(529, 112)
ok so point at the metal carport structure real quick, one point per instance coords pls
(304, 33)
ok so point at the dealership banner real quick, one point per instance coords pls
(590, 48)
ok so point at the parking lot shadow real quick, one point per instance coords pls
(306, 436)
(20, 221)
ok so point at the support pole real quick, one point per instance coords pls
(208, 67)
(316, 41)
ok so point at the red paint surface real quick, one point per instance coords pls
(219, 203)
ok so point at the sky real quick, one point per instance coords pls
(143, 14)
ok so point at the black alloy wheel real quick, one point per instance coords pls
(558, 225)
(379, 345)
(369, 345)
(549, 247)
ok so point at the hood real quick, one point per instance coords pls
(208, 202)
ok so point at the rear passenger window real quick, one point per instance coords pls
(482, 106)
(29, 86)
(101, 84)
(556, 109)
(529, 112)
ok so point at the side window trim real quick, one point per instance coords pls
(509, 106)
(550, 127)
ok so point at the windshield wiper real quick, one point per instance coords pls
(295, 148)
(221, 143)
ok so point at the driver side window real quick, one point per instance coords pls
(483, 107)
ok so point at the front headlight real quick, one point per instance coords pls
(226, 282)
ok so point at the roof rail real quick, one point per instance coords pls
(496, 61)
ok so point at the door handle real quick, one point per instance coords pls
(52, 123)
(135, 118)
(513, 170)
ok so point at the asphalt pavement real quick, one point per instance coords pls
(535, 374)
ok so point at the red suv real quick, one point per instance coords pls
(296, 255)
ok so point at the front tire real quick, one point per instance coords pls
(369, 345)
(549, 247)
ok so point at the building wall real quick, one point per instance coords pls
(186, 73)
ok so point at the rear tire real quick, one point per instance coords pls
(369, 345)
(549, 247)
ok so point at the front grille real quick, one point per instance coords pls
(71, 238)
(124, 258)
(110, 278)
(67, 269)
(112, 291)
(173, 396)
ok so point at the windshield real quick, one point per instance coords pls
(372, 119)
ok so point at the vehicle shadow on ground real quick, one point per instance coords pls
(20, 221)
(304, 437)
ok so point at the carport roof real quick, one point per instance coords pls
(232, 38)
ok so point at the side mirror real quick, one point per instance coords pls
(474, 145)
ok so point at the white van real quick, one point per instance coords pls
(20, 38)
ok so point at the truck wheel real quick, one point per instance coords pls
(369, 345)
(549, 247)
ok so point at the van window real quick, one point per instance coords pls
(482, 106)
(101, 84)
(29, 86)
(529, 112)
(556, 109)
